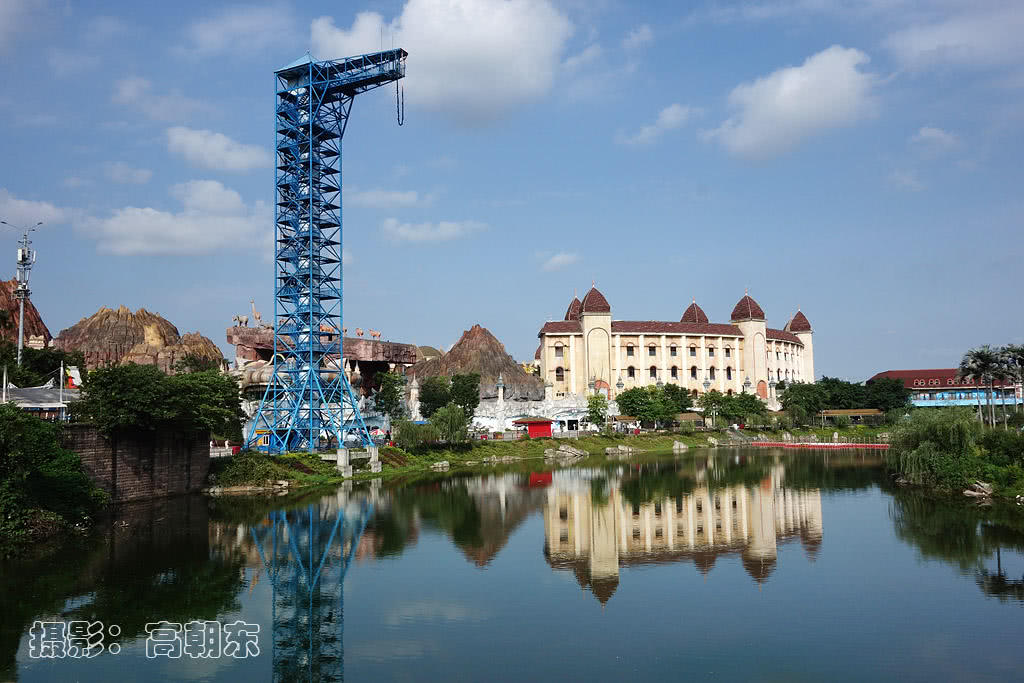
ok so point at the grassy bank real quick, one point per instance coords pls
(300, 469)
(949, 450)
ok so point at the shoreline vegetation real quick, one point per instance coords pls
(949, 451)
(251, 472)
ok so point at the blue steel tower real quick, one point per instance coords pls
(309, 403)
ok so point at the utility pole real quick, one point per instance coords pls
(26, 257)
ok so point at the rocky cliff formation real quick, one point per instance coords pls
(9, 315)
(119, 336)
(479, 351)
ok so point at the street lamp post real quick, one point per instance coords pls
(746, 385)
(26, 257)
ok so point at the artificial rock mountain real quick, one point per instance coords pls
(118, 336)
(479, 351)
(34, 326)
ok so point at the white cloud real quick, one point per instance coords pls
(207, 149)
(638, 37)
(905, 180)
(121, 172)
(212, 217)
(932, 141)
(982, 37)
(590, 54)
(241, 29)
(382, 199)
(442, 231)
(671, 117)
(778, 111)
(25, 213)
(138, 93)
(560, 260)
(471, 60)
(69, 63)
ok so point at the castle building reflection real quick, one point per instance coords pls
(594, 536)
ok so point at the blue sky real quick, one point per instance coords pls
(860, 160)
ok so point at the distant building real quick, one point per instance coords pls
(589, 352)
(943, 387)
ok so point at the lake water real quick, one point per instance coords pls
(732, 565)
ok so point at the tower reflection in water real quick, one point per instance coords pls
(593, 526)
(306, 552)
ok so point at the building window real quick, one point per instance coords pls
(711, 373)
(672, 351)
(777, 355)
(728, 372)
(559, 351)
(728, 352)
(693, 352)
(559, 374)
(631, 372)
(675, 372)
(693, 372)
(654, 372)
(650, 350)
(629, 350)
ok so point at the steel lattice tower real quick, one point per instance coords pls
(309, 402)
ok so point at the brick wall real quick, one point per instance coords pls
(141, 465)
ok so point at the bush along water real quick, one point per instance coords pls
(949, 449)
(43, 488)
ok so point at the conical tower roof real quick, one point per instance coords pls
(594, 302)
(747, 309)
(694, 314)
(798, 323)
(573, 312)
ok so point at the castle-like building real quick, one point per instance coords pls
(588, 352)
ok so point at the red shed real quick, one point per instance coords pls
(536, 427)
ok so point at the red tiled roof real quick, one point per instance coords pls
(798, 323)
(943, 375)
(536, 356)
(533, 421)
(660, 327)
(561, 327)
(747, 309)
(694, 314)
(782, 335)
(573, 312)
(594, 302)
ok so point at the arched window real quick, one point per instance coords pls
(711, 373)
(631, 372)
(729, 393)
(651, 350)
(728, 373)
(629, 350)
(693, 351)
(673, 351)
(675, 372)
(559, 374)
(787, 374)
(654, 372)
(694, 394)
(693, 372)
(728, 352)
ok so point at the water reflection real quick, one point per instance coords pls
(592, 529)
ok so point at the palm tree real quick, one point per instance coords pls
(1005, 375)
(1014, 354)
(982, 364)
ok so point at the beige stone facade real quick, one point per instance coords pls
(590, 352)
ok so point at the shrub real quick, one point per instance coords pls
(937, 448)
(842, 421)
(451, 423)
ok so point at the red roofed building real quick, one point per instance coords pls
(589, 352)
(943, 387)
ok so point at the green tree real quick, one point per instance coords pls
(37, 365)
(677, 398)
(597, 409)
(637, 402)
(388, 398)
(435, 393)
(887, 393)
(982, 364)
(451, 423)
(840, 394)
(465, 392)
(745, 406)
(141, 397)
(714, 402)
(803, 401)
(193, 362)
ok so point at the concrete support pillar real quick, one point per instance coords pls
(572, 364)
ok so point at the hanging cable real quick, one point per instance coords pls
(400, 103)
